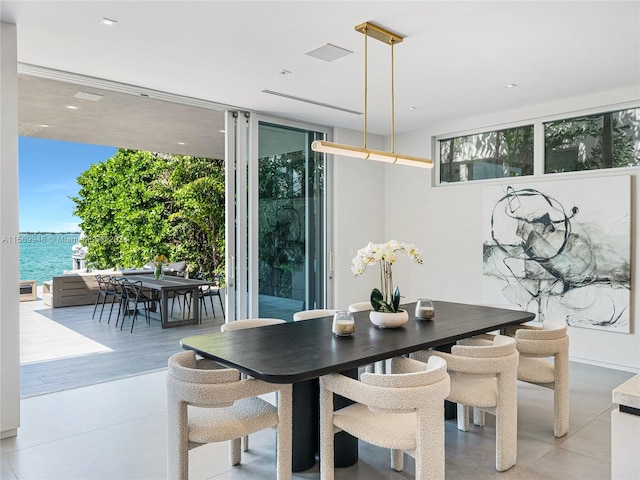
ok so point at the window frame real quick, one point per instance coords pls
(538, 145)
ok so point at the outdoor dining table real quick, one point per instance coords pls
(301, 352)
(167, 285)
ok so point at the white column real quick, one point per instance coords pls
(9, 247)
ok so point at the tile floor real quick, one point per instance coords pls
(116, 430)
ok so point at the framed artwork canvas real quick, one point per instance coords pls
(561, 249)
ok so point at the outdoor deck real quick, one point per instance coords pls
(62, 348)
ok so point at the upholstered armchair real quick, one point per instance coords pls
(403, 411)
(536, 345)
(315, 313)
(250, 323)
(208, 403)
(360, 307)
(484, 376)
(240, 325)
(380, 366)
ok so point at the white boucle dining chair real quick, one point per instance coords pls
(403, 411)
(536, 344)
(241, 325)
(315, 313)
(250, 323)
(380, 366)
(360, 307)
(208, 403)
(484, 376)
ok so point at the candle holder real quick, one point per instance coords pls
(425, 309)
(343, 324)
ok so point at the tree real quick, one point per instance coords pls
(198, 211)
(138, 204)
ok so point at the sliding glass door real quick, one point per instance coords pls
(281, 242)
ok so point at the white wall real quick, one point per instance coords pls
(446, 222)
(9, 251)
(358, 204)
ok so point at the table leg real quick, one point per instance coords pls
(195, 301)
(306, 427)
(164, 298)
(305, 424)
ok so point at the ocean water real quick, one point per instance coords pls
(45, 255)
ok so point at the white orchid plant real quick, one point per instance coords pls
(385, 299)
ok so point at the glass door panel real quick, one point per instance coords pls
(291, 233)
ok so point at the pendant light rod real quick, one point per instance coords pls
(366, 83)
(393, 103)
(371, 30)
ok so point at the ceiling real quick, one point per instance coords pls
(455, 61)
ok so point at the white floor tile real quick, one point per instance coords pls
(117, 431)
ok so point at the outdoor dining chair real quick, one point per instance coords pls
(134, 296)
(209, 291)
(119, 295)
(105, 289)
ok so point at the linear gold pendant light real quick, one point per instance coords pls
(371, 30)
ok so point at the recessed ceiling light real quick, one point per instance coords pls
(107, 21)
(71, 107)
(92, 97)
(181, 143)
(44, 125)
(510, 85)
(222, 131)
(328, 52)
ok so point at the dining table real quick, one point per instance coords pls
(169, 285)
(301, 352)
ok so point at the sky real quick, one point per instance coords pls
(48, 172)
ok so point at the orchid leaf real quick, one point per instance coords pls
(376, 299)
(396, 299)
(378, 303)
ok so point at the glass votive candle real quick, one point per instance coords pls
(343, 324)
(425, 309)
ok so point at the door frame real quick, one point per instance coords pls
(241, 236)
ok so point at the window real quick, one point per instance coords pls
(605, 140)
(494, 154)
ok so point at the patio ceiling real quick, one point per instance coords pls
(117, 119)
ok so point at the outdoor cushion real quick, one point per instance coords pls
(175, 267)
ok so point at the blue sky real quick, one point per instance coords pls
(48, 172)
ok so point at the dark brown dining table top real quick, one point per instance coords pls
(298, 351)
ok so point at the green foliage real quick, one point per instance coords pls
(379, 305)
(492, 154)
(605, 140)
(281, 221)
(138, 204)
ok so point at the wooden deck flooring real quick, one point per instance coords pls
(62, 348)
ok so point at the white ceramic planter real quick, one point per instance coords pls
(389, 320)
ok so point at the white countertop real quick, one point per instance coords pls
(628, 393)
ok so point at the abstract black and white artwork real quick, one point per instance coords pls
(561, 249)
